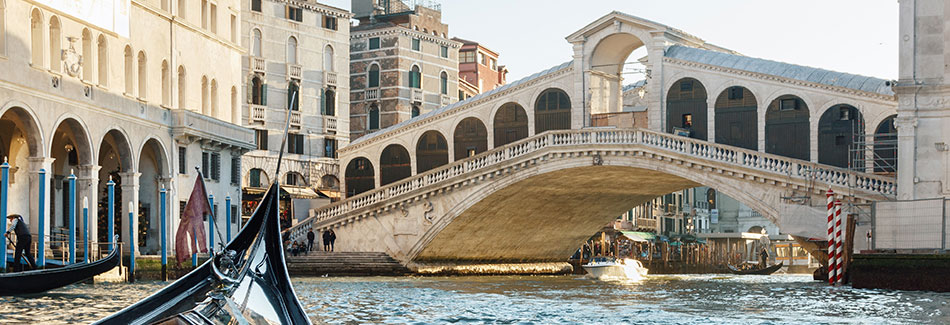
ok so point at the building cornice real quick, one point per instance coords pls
(395, 30)
(320, 8)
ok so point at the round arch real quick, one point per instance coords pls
(116, 140)
(837, 127)
(552, 111)
(394, 164)
(686, 108)
(295, 179)
(470, 138)
(431, 151)
(152, 166)
(885, 146)
(329, 181)
(16, 117)
(71, 142)
(737, 122)
(611, 52)
(359, 176)
(257, 178)
(786, 128)
(510, 124)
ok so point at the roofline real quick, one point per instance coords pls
(579, 34)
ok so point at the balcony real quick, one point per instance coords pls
(330, 78)
(417, 96)
(257, 64)
(258, 114)
(294, 71)
(295, 119)
(329, 123)
(446, 100)
(372, 94)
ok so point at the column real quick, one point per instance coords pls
(906, 156)
(88, 187)
(711, 116)
(130, 193)
(37, 163)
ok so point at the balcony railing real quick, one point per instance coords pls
(372, 94)
(329, 123)
(294, 71)
(330, 78)
(258, 114)
(417, 95)
(258, 64)
(295, 119)
(446, 100)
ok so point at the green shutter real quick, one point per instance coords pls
(323, 104)
(264, 94)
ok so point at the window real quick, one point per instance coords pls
(215, 166)
(291, 179)
(213, 20)
(292, 50)
(182, 5)
(256, 43)
(205, 164)
(3, 30)
(181, 88)
(254, 178)
(234, 212)
(87, 62)
(328, 59)
(143, 76)
(329, 148)
(373, 117)
(444, 83)
(214, 98)
(55, 34)
(295, 143)
(329, 103)
(234, 30)
(687, 120)
(36, 37)
(329, 22)
(444, 51)
(256, 5)
(416, 44)
(293, 96)
(844, 113)
(482, 59)
(415, 77)
(295, 14)
(686, 86)
(235, 171)
(129, 66)
(204, 14)
(260, 137)
(374, 43)
(205, 105)
(494, 64)
(467, 57)
(166, 81)
(373, 76)
(735, 93)
(103, 61)
(415, 110)
(788, 104)
(182, 165)
(258, 91)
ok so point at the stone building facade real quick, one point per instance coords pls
(141, 92)
(401, 65)
(478, 66)
(297, 50)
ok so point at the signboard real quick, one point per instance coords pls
(714, 216)
(111, 15)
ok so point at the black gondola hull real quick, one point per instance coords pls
(765, 271)
(37, 281)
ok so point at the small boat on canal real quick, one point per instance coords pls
(761, 271)
(37, 281)
(611, 268)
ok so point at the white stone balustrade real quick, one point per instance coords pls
(329, 123)
(294, 71)
(257, 64)
(258, 114)
(372, 94)
(417, 96)
(330, 78)
(295, 120)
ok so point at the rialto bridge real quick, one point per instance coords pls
(521, 174)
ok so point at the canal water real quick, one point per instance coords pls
(676, 299)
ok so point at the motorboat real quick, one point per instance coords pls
(611, 268)
(37, 281)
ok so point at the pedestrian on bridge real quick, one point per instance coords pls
(326, 240)
(310, 238)
(332, 239)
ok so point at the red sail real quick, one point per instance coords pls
(191, 225)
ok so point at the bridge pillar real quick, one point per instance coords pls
(655, 94)
(711, 117)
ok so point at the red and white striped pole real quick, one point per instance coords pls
(831, 237)
(839, 247)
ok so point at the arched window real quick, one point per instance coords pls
(329, 182)
(415, 110)
(258, 91)
(359, 176)
(257, 178)
(415, 77)
(686, 109)
(711, 198)
(214, 98)
(3, 29)
(431, 151)
(182, 8)
(885, 147)
(444, 83)
(166, 84)
(204, 96)
(87, 61)
(256, 40)
(786, 128)
(329, 102)
(373, 79)
(394, 164)
(373, 117)
(328, 59)
(736, 118)
(471, 138)
(510, 125)
(143, 76)
(837, 128)
(55, 49)
(36, 38)
(129, 71)
(552, 111)
(103, 65)
(292, 50)
(293, 96)
(182, 102)
(235, 108)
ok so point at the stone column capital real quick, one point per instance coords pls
(37, 163)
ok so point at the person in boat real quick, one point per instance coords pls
(764, 258)
(23, 242)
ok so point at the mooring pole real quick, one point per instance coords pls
(85, 229)
(72, 217)
(110, 217)
(162, 215)
(4, 186)
(41, 244)
(131, 242)
(227, 217)
(211, 226)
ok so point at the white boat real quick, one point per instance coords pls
(611, 268)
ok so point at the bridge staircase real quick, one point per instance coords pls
(320, 263)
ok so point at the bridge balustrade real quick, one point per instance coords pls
(668, 143)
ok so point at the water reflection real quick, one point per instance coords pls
(781, 299)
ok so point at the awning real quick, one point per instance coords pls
(330, 194)
(637, 236)
(300, 192)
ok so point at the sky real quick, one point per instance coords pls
(854, 36)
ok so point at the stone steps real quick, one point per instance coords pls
(344, 263)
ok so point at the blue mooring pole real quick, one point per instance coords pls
(194, 256)
(110, 217)
(131, 242)
(211, 226)
(162, 215)
(41, 245)
(227, 217)
(72, 217)
(4, 186)
(85, 230)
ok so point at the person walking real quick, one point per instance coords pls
(332, 239)
(326, 241)
(310, 238)
(23, 243)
